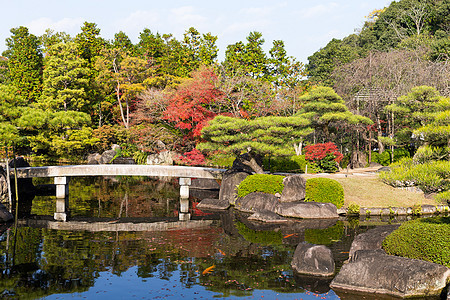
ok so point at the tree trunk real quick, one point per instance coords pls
(379, 134)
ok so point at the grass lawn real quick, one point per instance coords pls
(369, 191)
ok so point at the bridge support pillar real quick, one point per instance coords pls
(184, 214)
(61, 209)
(62, 187)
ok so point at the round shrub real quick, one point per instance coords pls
(426, 239)
(324, 190)
(264, 183)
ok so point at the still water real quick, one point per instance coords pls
(124, 241)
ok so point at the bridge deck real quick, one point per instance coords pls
(120, 170)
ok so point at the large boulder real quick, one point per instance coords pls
(307, 210)
(372, 239)
(257, 201)
(373, 271)
(316, 260)
(161, 158)
(107, 157)
(94, 159)
(228, 188)
(294, 188)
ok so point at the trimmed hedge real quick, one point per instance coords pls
(426, 239)
(264, 183)
(324, 190)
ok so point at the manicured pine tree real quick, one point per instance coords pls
(257, 137)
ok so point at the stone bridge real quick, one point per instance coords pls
(62, 174)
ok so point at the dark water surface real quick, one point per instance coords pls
(124, 241)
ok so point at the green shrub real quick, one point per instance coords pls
(295, 163)
(324, 190)
(443, 197)
(385, 157)
(325, 236)
(264, 183)
(428, 153)
(260, 237)
(353, 209)
(427, 239)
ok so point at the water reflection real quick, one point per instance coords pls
(125, 241)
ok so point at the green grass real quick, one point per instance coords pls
(369, 191)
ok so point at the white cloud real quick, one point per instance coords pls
(319, 10)
(138, 20)
(184, 17)
(68, 25)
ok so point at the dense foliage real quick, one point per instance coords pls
(324, 190)
(426, 239)
(64, 97)
(263, 183)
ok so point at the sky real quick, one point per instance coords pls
(305, 26)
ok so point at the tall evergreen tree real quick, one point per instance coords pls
(65, 79)
(25, 62)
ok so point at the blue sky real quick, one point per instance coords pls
(304, 26)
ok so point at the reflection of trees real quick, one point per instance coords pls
(50, 261)
(115, 197)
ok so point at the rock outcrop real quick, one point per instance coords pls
(307, 210)
(316, 260)
(228, 188)
(372, 239)
(294, 188)
(373, 271)
(254, 202)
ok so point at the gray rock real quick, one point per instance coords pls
(294, 188)
(373, 271)
(161, 158)
(228, 188)
(307, 210)
(429, 209)
(257, 202)
(107, 156)
(316, 260)
(371, 239)
(267, 216)
(213, 204)
(93, 159)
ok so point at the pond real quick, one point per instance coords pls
(124, 241)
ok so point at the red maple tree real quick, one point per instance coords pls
(194, 103)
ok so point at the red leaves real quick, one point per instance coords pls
(317, 152)
(192, 158)
(192, 104)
